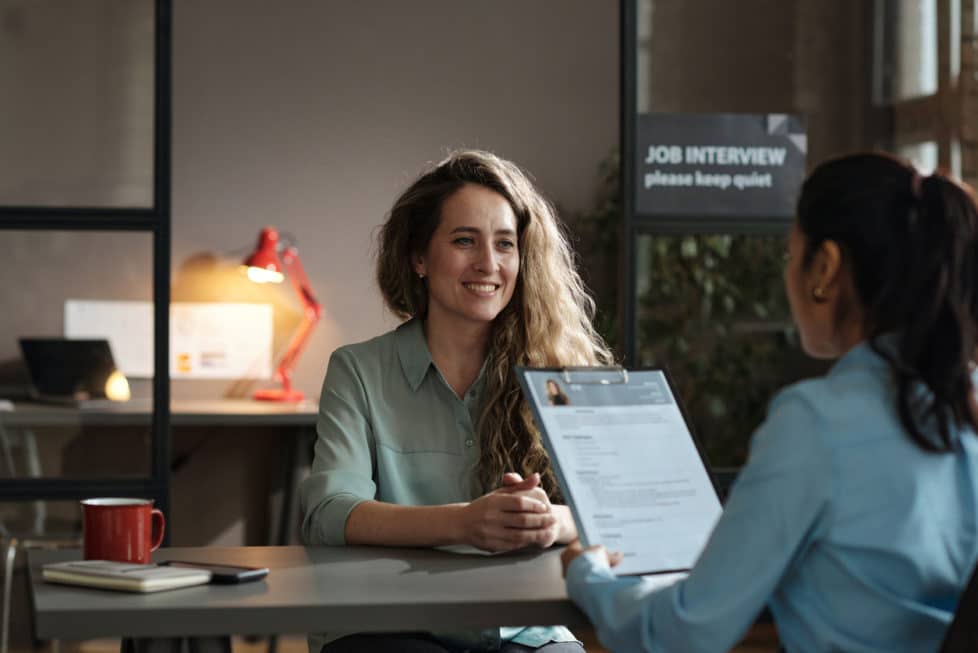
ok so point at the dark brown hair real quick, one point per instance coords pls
(911, 245)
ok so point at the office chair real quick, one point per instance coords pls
(35, 533)
(962, 634)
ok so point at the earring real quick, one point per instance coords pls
(421, 275)
(818, 294)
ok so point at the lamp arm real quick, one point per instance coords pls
(311, 309)
(300, 282)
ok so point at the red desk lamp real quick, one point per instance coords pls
(265, 266)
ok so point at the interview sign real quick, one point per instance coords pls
(719, 165)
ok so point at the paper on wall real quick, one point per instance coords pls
(207, 340)
(128, 326)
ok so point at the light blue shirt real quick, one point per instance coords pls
(391, 429)
(856, 539)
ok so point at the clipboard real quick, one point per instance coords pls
(632, 472)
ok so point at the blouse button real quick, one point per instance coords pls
(469, 443)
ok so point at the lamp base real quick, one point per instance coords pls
(278, 394)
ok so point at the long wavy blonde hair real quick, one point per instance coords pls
(547, 323)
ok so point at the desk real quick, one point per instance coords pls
(222, 412)
(315, 589)
(137, 412)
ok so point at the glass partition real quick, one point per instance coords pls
(76, 120)
(703, 296)
(76, 355)
(85, 215)
(711, 309)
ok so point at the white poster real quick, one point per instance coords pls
(128, 326)
(207, 340)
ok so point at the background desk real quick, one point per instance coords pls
(215, 412)
(313, 589)
(299, 418)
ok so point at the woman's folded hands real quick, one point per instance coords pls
(514, 516)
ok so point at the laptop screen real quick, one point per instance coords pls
(70, 369)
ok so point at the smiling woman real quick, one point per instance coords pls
(424, 436)
(472, 262)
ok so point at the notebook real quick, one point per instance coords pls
(70, 372)
(123, 576)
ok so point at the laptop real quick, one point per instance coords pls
(68, 372)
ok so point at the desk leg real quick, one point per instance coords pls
(210, 644)
(296, 456)
(219, 644)
(152, 645)
(291, 457)
(34, 471)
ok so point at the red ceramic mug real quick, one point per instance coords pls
(123, 530)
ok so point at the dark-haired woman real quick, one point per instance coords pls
(856, 517)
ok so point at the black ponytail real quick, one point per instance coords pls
(911, 245)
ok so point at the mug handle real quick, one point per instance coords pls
(159, 524)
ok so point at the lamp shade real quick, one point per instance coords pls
(263, 265)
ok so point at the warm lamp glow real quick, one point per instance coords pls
(263, 275)
(117, 387)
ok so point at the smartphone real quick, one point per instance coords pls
(222, 574)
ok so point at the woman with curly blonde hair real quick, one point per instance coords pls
(424, 436)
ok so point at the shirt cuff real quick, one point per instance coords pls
(590, 564)
(332, 518)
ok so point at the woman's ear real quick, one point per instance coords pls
(417, 262)
(826, 269)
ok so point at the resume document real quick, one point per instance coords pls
(627, 463)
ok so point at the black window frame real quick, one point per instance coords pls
(156, 220)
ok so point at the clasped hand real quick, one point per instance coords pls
(517, 515)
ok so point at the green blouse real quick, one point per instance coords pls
(391, 429)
